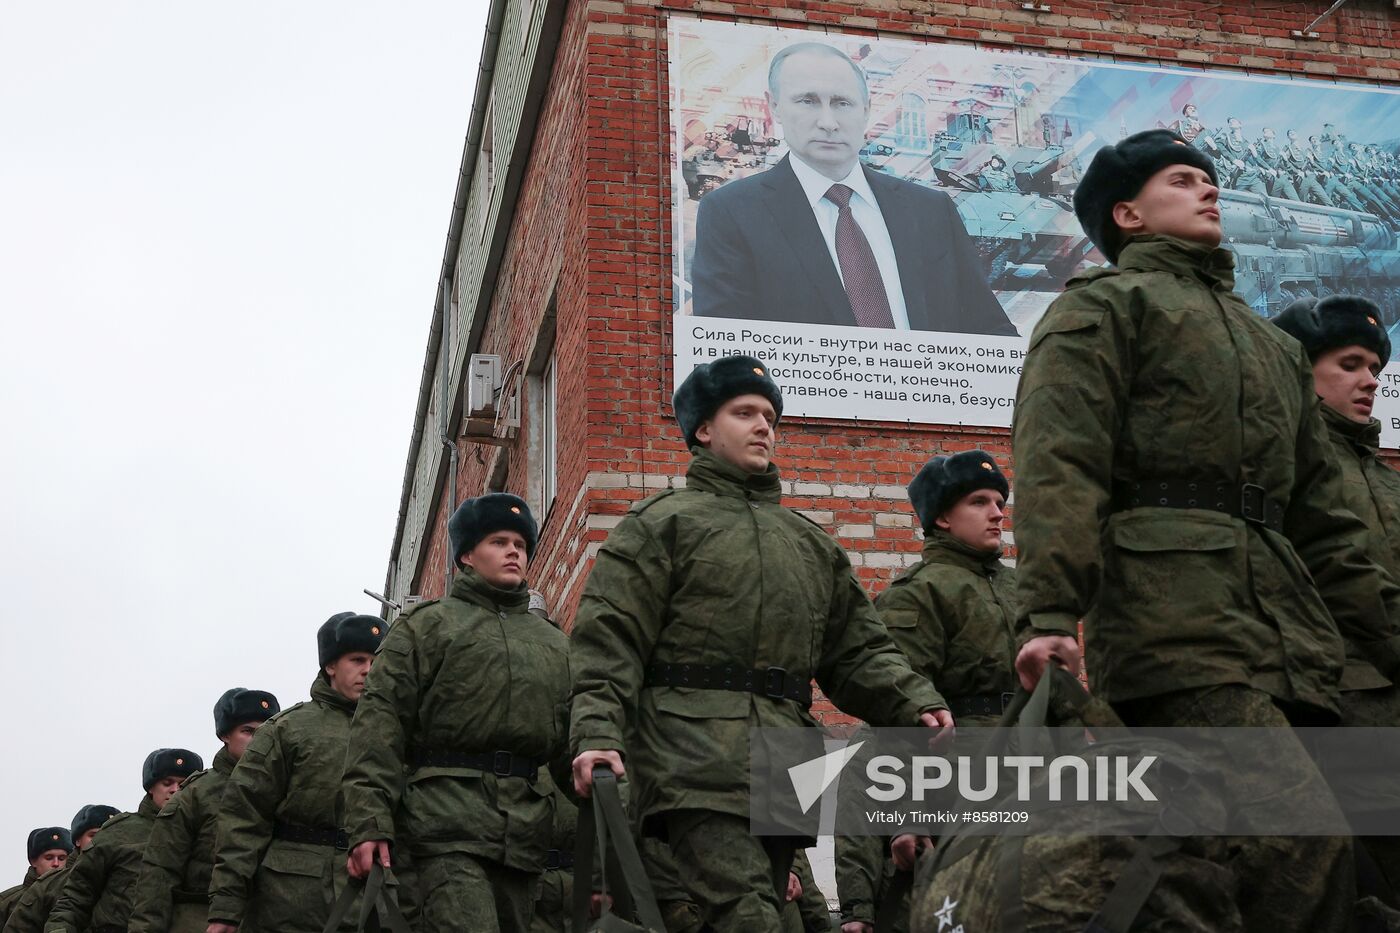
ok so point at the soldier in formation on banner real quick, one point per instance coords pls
(1215, 593)
(280, 848)
(46, 849)
(468, 699)
(1298, 160)
(98, 895)
(709, 611)
(172, 892)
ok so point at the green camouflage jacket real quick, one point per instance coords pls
(720, 573)
(32, 908)
(100, 888)
(179, 856)
(289, 774)
(954, 615)
(472, 673)
(10, 896)
(1157, 370)
(1372, 491)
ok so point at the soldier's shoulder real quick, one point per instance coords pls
(283, 715)
(193, 779)
(663, 498)
(412, 609)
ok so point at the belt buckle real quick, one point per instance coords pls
(1006, 698)
(774, 681)
(1252, 503)
(500, 764)
(342, 840)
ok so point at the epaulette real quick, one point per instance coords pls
(410, 609)
(641, 506)
(1092, 275)
(285, 710)
(114, 820)
(193, 777)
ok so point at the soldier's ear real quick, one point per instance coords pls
(1127, 218)
(703, 434)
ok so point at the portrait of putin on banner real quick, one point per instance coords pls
(821, 238)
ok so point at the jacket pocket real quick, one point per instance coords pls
(288, 861)
(1149, 530)
(693, 703)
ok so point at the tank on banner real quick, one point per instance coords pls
(1310, 200)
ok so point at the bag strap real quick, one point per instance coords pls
(377, 901)
(1134, 886)
(893, 909)
(604, 828)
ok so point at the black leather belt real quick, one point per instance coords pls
(499, 763)
(979, 704)
(558, 858)
(310, 835)
(774, 682)
(1247, 501)
(109, 928)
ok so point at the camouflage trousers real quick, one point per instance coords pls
(730, 873)
(1282, 884)
(465, 892)
(554, 902)
(1375, 708)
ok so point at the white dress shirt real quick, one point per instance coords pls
(866, 211)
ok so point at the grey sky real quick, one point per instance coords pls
(220, 229)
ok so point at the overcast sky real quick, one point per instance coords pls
(220, 231)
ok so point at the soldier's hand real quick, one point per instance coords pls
(1037, 653)
(586, 762)
(217, 927)
(596, 903)
(794, 888)
(942, 720)
(905, 849)
(364, 855)
(856, 926)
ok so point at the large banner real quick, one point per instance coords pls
(885, 220)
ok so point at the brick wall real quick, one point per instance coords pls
(593, 231)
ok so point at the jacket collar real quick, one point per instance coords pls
(223, 761)
(1365, 436)
(148, 808)
(710, 473)
(942, 548)
(323, 692)
(470, 586)
(1156, 253)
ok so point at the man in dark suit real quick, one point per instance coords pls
(821, 239)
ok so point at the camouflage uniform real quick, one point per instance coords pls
(683, 580)
(1372, 491)
(172, 892)
(954, 615)
(32, 908)
(1304, 169)
(1156, 372)
(280, 855)
(555, 889)
(808, 913)
(472, 674)
(10, 896)
(1270, 157)
(1237, 161)
(97, 896)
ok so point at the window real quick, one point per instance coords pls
(912, 127)
(548, 434)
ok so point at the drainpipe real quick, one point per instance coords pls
(444, 432)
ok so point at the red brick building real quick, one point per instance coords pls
(559, 258)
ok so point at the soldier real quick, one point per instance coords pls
(1332, 175)
(993, 176)
(1280, 174)
(953, 614)
(47, 849)
(97, 896)
(1349, 347)
(469, 694)
(278, 861)
(172, 893)
(1189, 127)
(33, 906)
(1238, 160)
(1175, 481)
(1304, 171)
(555, 891)
(709, 611)
(1364, 184)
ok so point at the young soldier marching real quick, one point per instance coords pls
(1178, 494)
(98, 894)
(1348, 346)
(279, 851)
(954, 615)
(33, 906)
(172, 893)
(469, 699)
(47, 849)
(709, 611)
